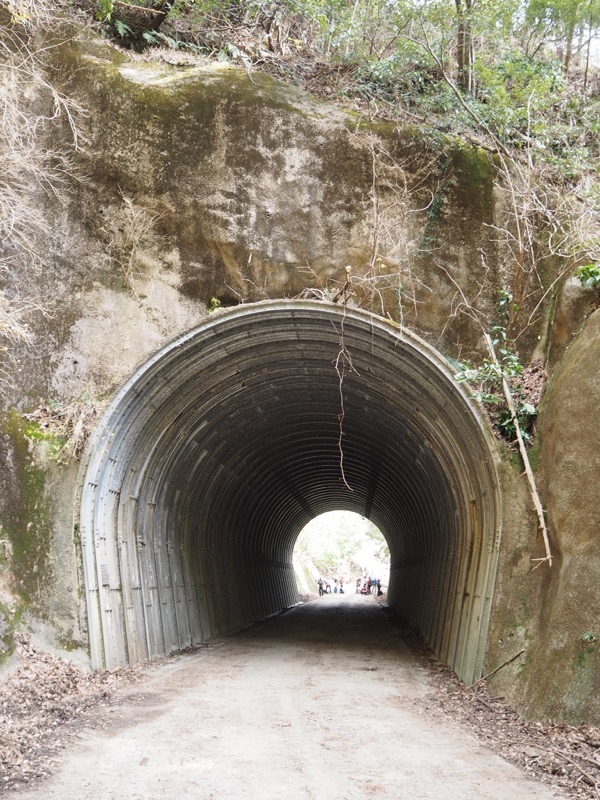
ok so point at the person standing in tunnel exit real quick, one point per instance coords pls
(320, 582)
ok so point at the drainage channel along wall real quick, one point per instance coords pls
(217, 452)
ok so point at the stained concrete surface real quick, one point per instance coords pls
(323, 701)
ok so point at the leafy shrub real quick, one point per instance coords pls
(515, 91)
(487, 380)
(589, 275)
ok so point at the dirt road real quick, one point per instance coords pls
(324, 701)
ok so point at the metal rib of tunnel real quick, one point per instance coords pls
(222, 446)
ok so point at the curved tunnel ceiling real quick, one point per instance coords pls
(215, 454)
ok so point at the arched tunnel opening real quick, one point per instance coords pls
(215, 454)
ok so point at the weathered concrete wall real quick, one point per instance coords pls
(196, 182)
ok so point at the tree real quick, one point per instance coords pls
(464, 44)
(568, 24)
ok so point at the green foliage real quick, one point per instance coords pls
(589, 275)
(589, 637)
(562, 20)
(232, 52)
(123, 29)
(487, 381)
(160, 39)
(105, 11)
(526, 413)
(515, 92)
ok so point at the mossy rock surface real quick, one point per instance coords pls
(26, 514)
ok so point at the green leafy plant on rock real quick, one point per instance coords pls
(589, 275)
(486, 381)
(497, 383)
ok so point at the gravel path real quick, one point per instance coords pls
(324, 701)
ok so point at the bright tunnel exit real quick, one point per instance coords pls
(342, 549)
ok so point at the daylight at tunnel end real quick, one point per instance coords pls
(220, 448)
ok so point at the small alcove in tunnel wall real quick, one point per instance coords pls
(216, 453)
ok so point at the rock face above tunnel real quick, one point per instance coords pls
(217, 183)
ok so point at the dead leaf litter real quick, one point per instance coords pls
(39, 703)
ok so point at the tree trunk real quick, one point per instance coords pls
(587, 55)
(569, 51)
(464, 45)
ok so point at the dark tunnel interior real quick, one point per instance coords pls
(216, 453)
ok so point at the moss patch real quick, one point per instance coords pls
(25, 514)
(10, 619)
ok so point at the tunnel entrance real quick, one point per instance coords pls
(219, 449)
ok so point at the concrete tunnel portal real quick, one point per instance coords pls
(219, 449)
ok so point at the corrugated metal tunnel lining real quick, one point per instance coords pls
(216, 453)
